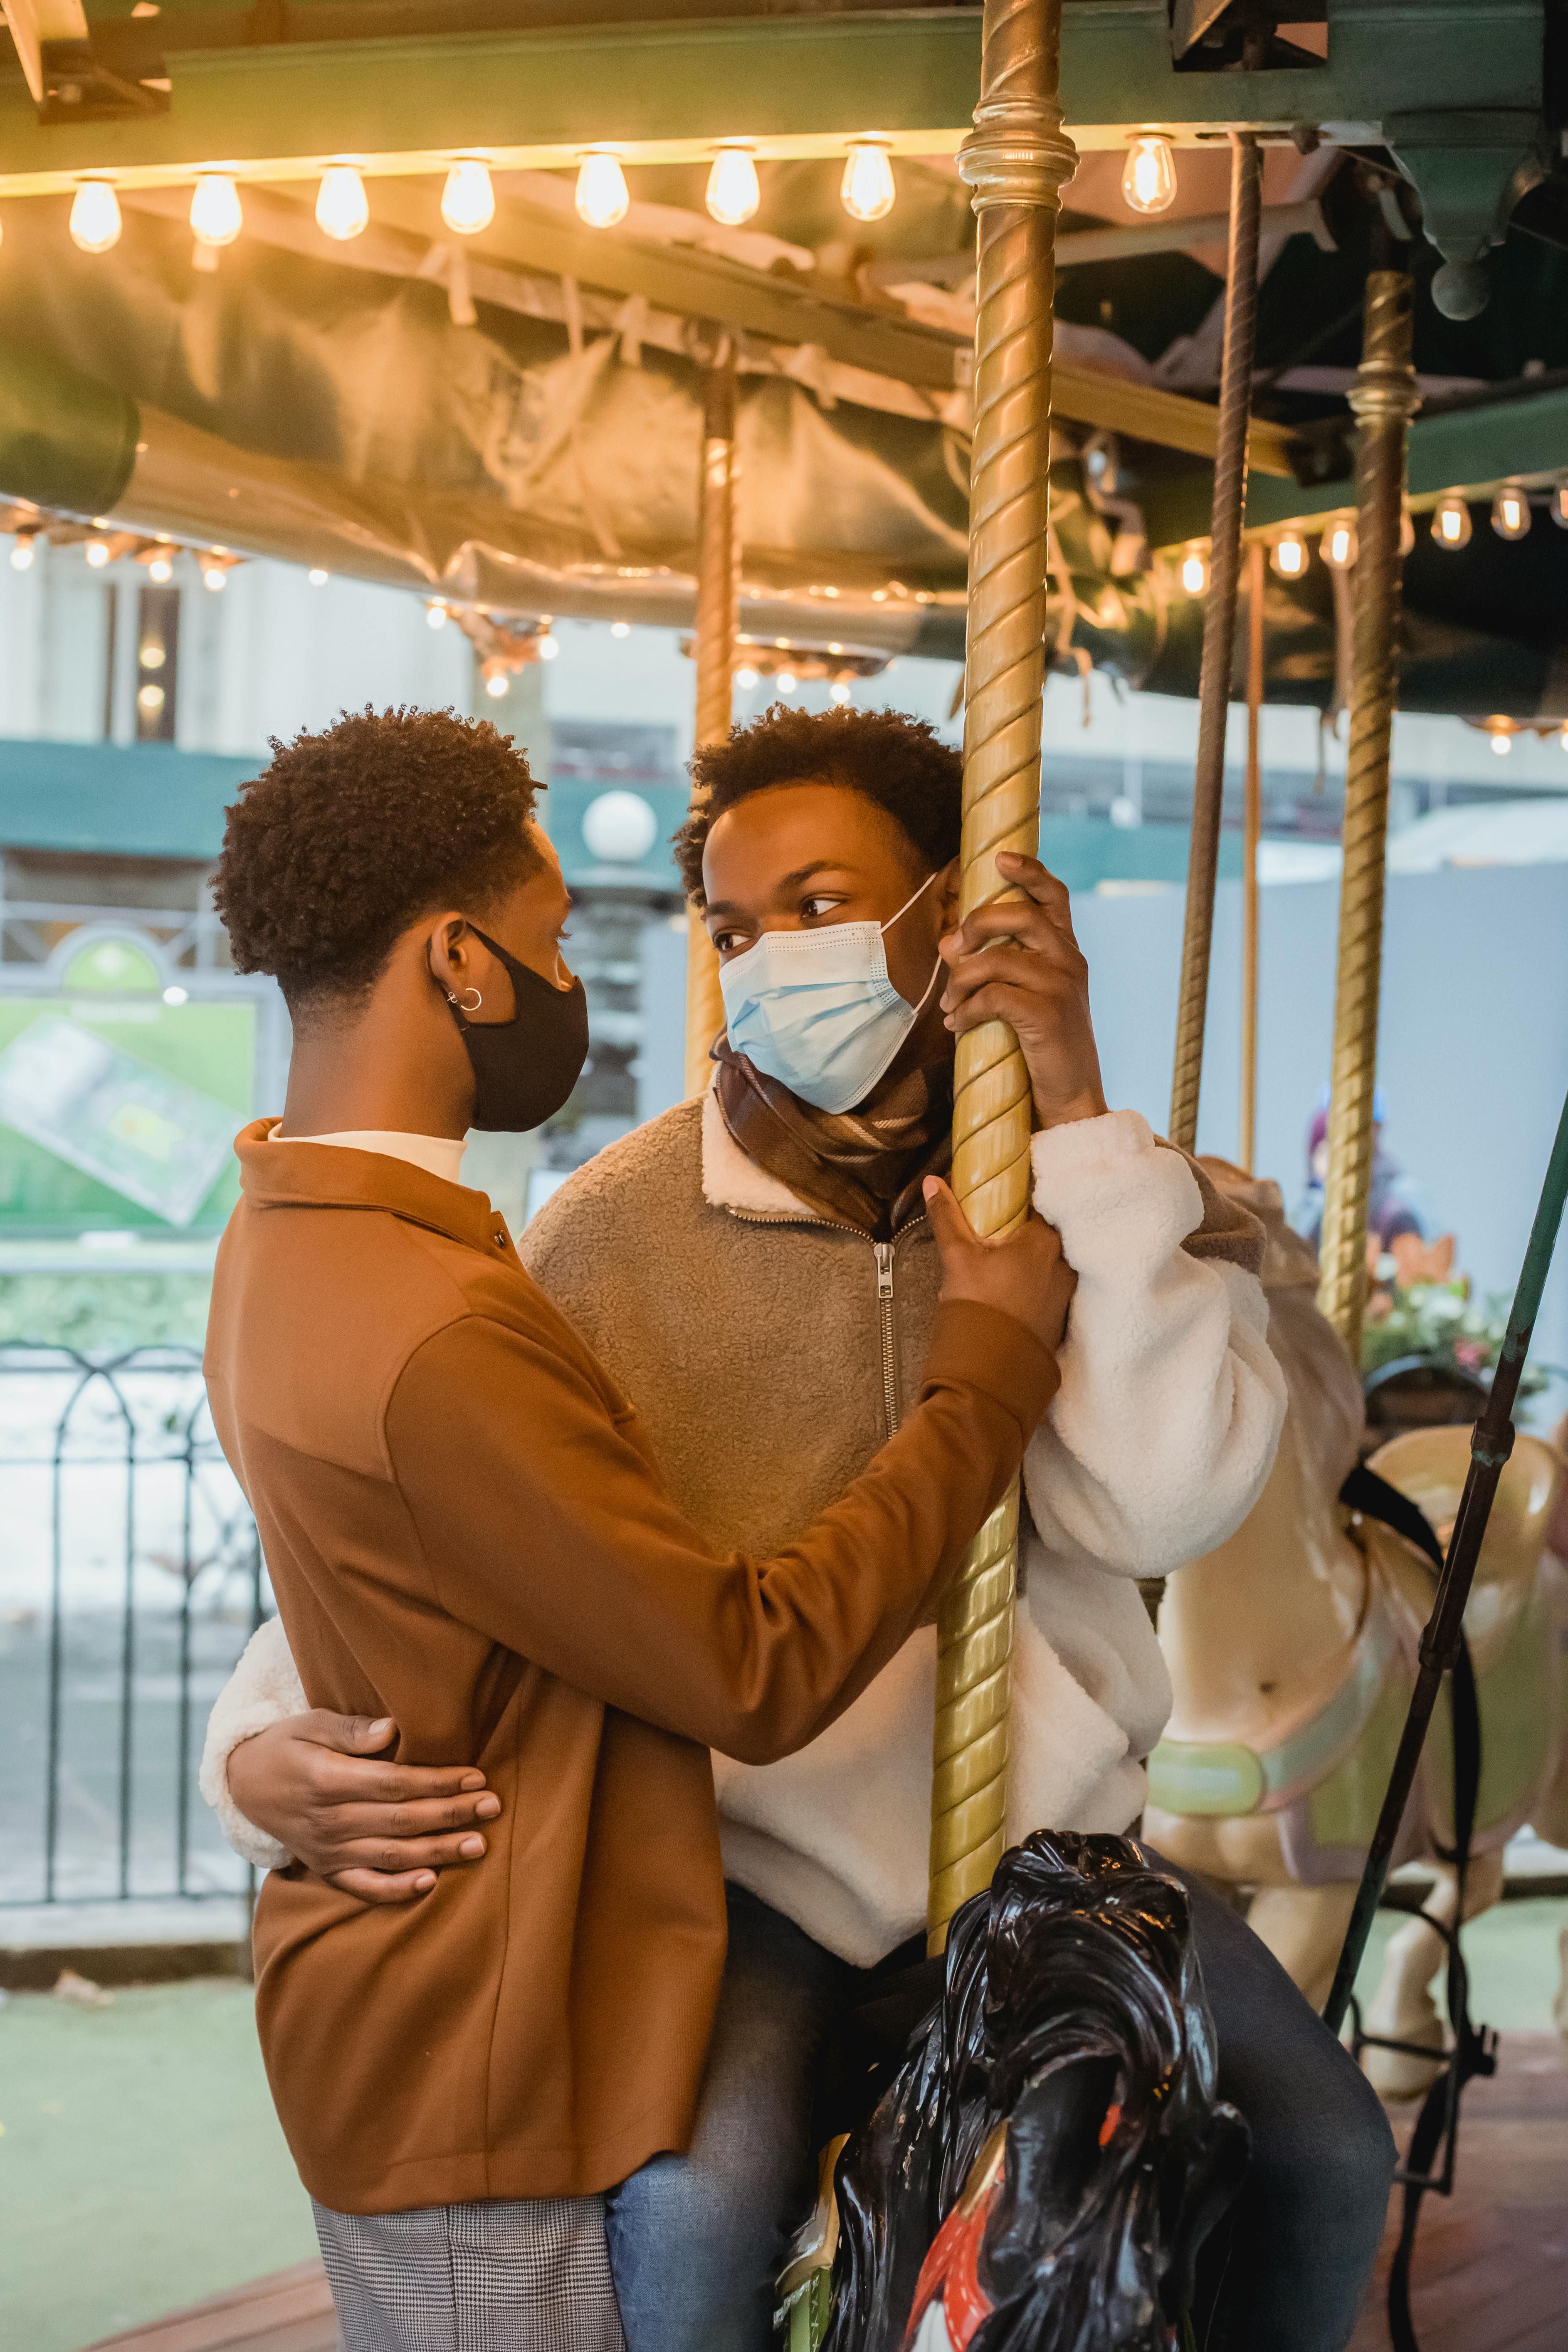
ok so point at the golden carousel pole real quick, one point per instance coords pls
(718, 576)
(1015, 160)
(1219, 627)
(1255, 575)
(1383, 399)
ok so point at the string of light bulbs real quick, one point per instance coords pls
(867, 190)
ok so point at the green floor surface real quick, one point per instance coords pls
(141, 2166)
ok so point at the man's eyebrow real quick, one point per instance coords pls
(785, 882)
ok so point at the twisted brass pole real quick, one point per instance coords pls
(718, 577)
(1255, 575)
(1383, 398)
(1015, 160)
(1219, 628)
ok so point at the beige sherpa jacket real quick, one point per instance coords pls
(766, 1348)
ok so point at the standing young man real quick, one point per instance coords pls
(758, 1269)
(466, 1531)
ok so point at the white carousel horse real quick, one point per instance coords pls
(1292, 1654)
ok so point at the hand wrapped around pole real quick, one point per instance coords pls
(1015, 160)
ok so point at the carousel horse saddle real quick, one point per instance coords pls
(1043, 2161)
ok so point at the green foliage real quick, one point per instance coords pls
(103, 1310)
(1443, 1323)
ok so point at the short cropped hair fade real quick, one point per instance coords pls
(351, 835)
(900, 763)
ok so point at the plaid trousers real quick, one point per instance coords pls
(532, 2274)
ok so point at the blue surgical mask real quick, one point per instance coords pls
(816, 1011)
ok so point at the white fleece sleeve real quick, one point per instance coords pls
(1163, 1430)
(264, 1689)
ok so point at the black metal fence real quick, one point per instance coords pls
(130, 1578)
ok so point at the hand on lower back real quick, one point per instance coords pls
(1023, 1272)
(318, 1784)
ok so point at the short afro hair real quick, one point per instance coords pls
(351, 836)
(900, 763)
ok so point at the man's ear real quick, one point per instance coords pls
(449, 946)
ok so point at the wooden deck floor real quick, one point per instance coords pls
(1491, 2262)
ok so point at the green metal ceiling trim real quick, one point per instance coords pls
(1473, 448)
(65, 440)
(815, 80)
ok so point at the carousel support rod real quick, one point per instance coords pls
(1219, 628)
(718, 585)
(1383, 398)
(1256, 574)
(1015, 160)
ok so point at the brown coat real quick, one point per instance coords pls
(465, 1530)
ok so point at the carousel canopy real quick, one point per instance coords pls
(481, 393)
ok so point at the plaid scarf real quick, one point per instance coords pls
(864, 1167)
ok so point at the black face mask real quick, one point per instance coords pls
(525, 1069)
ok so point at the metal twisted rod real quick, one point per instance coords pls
(1383, 398)
(1015, 160)
(718, 588)
(1219, 628)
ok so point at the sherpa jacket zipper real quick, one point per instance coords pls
(885, 1254)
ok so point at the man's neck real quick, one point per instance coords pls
(339, 1083)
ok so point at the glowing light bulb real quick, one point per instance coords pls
(1149, 174)
(342, 208)
(1501, 744)
(22, 555)
(468, 200)
(436, 615)
(1289, 556)
(549, 647)
(1559, 507)
(839, 693)
(176, 996)
(151, 656)
(96, 552)
(785, 682)
(160, 570)
(215, 577)
(1195, 573)
(317, 577)
(149, 698)
(620, 628)
(94, 216)
(1339, 546)
(1563, 739)
(215, 215)
(745, 679)
(1451, 522)
(1510, 512)
(867, 189)
(602, 197)
(734, 193)
(496, 684)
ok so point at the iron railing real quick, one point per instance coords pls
(131, 1578)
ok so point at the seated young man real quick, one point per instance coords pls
(466, 1532)
(758, 1271)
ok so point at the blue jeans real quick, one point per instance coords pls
(697, 2240)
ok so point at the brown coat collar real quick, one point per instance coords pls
(297, 1175)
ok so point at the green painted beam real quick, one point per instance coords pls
(1460, 448)
(141, 800)
(799, 85)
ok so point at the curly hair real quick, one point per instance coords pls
(899, 763)
(350, 836)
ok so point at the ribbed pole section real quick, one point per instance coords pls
(1383, 398)
(1219, 628)
(718, 579)
(1255, 575)
(1015, 160)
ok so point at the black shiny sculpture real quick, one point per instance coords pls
(1049, 2155)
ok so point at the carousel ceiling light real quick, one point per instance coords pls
(1339, 546)
(734, 193)
(1503, 742)
(96, 552)
(840, 692)
(149, 698)
(745, 679)
(603, 198)
(549, 647)
(94, 216)
(1451, 522)
(1149, 174)
(785, 682)
(317, 577)
(215, 215)
(620, 628)
(1290, 555)
(468, 200)
(1194, 571)
(436, 615)
(1558, 509)
(342, 208)
(22, 555)
(215, 577)
(1510, 512)
(498, 684)
(867, 189)
(160, 570)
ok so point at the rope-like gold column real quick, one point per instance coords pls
(1252, 834)
(1015, 160)
(1219, 627)
(718, 577)
(1383, 398)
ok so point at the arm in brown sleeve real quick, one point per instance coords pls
(544, 1526)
